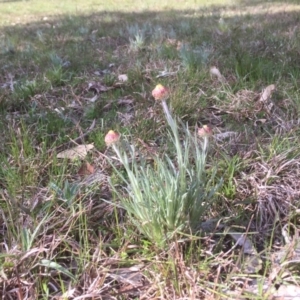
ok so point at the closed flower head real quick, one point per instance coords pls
(111, 138)
(160, 92)
(205, 131)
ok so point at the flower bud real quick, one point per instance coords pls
(111, 138)
(205, 131)
(160, 92)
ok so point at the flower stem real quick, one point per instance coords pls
(172, 123)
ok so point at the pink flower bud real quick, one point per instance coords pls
(205, 131)
(160, 92)
(111, 138)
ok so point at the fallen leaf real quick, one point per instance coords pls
(225, 135)
(214, 71)
(98, 88)
(125, 118)
(59, 110)
(79, 151)
(242, 240)
(260, 122)
(166, 73)
(123, 77)
(86, 169)
(211, 225)
(172, 42)
(74, 105)
(252, 262)
(93, 99)
(267, 93)
(288, 291)
(125, 101)
(131, 275)
(53, 265)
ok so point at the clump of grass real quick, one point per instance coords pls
(169, 197)
(137, 43)
(194, 59)
(137, 36)
(7, 46)
(25, 90)
(58, 76)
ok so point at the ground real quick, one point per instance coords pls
(70, 71)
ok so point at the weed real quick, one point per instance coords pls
(57, 76)
(25, 90)
(193, 59)
(137, 43)
(168, 197)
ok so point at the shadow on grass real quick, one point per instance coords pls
(89, 41)
(61, 55)
(1, 1)
(262, 2)
(258, 48)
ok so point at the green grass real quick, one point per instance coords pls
(63, 231)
